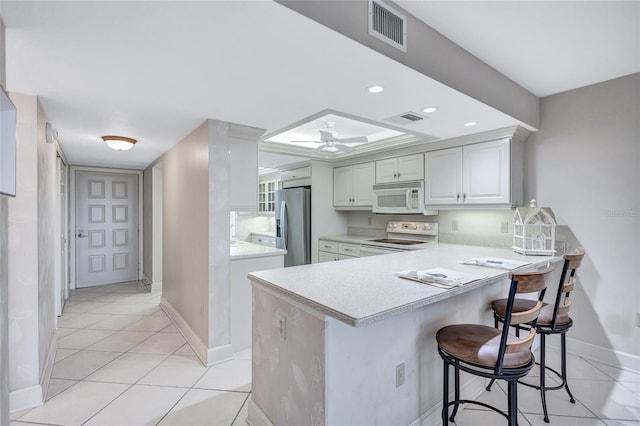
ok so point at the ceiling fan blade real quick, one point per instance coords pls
(344, 148)
(306, 141)
(322, 147)
(357, 139)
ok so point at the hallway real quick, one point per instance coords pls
(121, 361)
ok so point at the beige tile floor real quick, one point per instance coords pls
(121, 362)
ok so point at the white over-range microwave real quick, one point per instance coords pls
(399, 198)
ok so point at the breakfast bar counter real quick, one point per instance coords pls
(331, 340)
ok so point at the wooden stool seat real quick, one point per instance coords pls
(545, 318)
(479, 345)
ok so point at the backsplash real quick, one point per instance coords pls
(469, 227)
(243, 224)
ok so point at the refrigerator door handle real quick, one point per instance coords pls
(284, 225)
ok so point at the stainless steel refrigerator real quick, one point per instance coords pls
(293, 225)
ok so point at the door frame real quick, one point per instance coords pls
(72, 210)
(62, 228)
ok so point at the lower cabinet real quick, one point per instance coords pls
(330, 251)
(263, 240)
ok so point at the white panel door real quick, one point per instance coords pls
(387, 171)
(410, 167)
(106, 228)
(363, 180)
(486, 173)
(342, 186)
(443, 177)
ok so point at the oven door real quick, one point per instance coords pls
(366, 250)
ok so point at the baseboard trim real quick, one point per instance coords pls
(33, 396)
(208, 356)
(48, 366)
(612, 357)
(256, 416)
(25, 398)
(156, 287)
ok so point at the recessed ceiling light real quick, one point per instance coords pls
(375, 89)
(470, 123)
(430, 109)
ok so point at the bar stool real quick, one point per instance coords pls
(553, 319)
(488, 352)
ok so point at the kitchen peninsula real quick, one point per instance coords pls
(332, 342)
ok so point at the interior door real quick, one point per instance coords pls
(106, 228)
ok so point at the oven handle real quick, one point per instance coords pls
(366, 250)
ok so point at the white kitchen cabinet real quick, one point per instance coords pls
(353, 186)
(267, 195)
(488, 173)
(263, 240)
(400, 169)
(243, 174)
(330, 251)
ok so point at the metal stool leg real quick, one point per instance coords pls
(543, 378)
(457, 393)
(513, 402)
(445, 395)
(490, 384)
(563, 348)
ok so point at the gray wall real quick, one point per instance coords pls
(585, 163)
(185, 230)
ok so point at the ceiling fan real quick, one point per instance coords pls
(330, 141)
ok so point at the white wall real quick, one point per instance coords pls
(33, 219)
(147, 223)
(4, 278)
(585, 163)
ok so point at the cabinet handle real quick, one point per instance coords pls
(464, 196)
(326, 246)
(398, 174)
(348, 249)
(457, 197)
(395, 175)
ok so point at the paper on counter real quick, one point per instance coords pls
(495, 262)
(439, 277)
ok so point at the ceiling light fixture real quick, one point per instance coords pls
(430, 109)
(119, 143)
(470, 123)
(375, 89)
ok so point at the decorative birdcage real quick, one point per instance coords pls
(534, 230)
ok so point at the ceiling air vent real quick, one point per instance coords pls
(386, 24)
(405, 118)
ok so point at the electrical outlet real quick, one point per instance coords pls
(282, 325)
(504, 227)
(454, 225)
(637, 319)
(399, 375)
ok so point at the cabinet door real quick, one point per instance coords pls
(387, 170)
(443, 177)
(410, 167)
(486, 173)
(243, 175)
(323, 256)
(342, 186)
(363, 180)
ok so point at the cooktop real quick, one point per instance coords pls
(397, 241)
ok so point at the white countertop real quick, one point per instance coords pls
(362, 291)
(352, 239)
(264, 234)
(244, 250)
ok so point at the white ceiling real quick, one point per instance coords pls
(155, 70)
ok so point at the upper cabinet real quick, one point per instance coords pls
(267, 195)
(400, 169)
(353, 186)
(488, 173)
